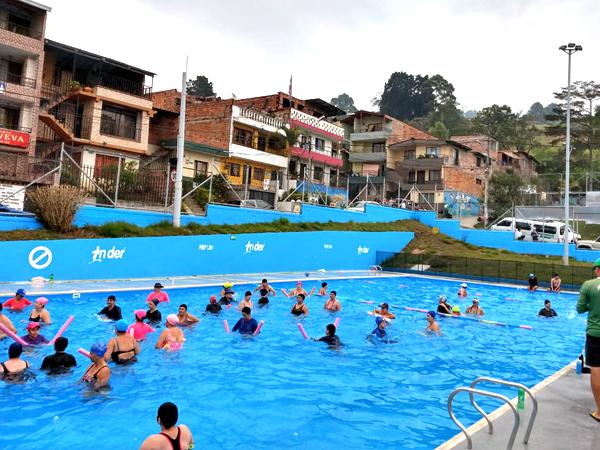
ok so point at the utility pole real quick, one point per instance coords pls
(488, 173)
(180, 145)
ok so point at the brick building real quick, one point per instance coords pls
(22, 28)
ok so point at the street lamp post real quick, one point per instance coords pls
(569, 49)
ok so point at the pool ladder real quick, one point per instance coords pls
(472, 392)
(377, 269)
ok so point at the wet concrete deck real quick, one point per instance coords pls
(563, 422)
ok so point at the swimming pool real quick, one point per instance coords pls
(278, 390)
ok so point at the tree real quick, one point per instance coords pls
(344, 102)
(536, 112)
(439, 130)
(499, 122)
(407, 96)
(442, 89)
(505, 191)
(200, 87)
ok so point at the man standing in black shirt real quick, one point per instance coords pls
(60, 360)
(111, 311)
(330, 338)
(547, 310)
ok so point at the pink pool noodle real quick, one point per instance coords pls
(408, 308)
(13, 335)
(84, 352)
(62, 330)
(336, 323)
(226, 325)
(260, 325)
(301, 328)
(367, 302)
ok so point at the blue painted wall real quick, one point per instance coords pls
(156, 257)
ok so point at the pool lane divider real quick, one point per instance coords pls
(476, 319)
(62, 330)
(13, 335)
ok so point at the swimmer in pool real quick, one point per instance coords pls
(227, 299)
(158, 294)
(61, 361)
(265, 285)
(185, 318)
(554, 283)
(153, 315)
(333, 304)
(213, 307)
(4, 320)
(432, 325)
(33, 336)
(171, 437)
(122, 348)
(264, 298)
(323, 291)
(246, 302)
(330, 338)
(443, 306)
(474, 308)
(533, 283)
(172, 337)
(18, 303)
(98, 373)
(111, 311)
(139, 328)
(247, 324)
(462, 291)
(14, 365)
(384, 311)
(225, 287)
(300, 307)
(379, 331)
(297, 291)
(40, 313)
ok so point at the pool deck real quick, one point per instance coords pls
(564, 403)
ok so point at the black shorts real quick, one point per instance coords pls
(592, 351)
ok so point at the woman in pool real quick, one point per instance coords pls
(140, 329)
(98, 373)
(122, 348)
(247, 301)
(297, 291)
(14, 366)
(333, 304)
(4, 320)
(172, 337)
(443, 306)
(300, 307)
(264, 298)
(432, 325)
(474, 308)
(40, 313)
(323, 291)
(462, 291)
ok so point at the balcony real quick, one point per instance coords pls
(422, 164)
(22, 29)
(422, 185)
(256, 119)
(316, 125)
(320, 155)
(353, 179)
(372, 157)
(371, 132)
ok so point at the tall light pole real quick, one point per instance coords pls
(569, 49)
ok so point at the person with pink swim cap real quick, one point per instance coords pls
(40, 313)
(140, 329)
(172, 337)
(299, 289)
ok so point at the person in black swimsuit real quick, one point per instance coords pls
(153, 315)
(123, 340)
(264, 297)
(14, 367)
(213, 307)
(171, 437)
(443, 306)
(227, 298)
(98, 373)
(330, 337)
(300, 308)
(60, 361)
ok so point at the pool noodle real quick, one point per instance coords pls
(491, 322)
(367, 302)
(260, 325)
(13, 335)
(336, 323)
(302, 330)
(226, 325)
(62, 329)
(84, 352)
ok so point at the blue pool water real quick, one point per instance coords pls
(280, 391)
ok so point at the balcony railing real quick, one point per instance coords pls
(422, 185)
(248, 142)
(23, 30)
(16, 78)
(257, 116)
(317, 123)
(120, 130)
(9, 126)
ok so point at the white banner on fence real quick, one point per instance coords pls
(16, 201)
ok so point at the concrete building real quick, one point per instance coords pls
(22, 28)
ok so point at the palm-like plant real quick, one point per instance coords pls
(290, 136)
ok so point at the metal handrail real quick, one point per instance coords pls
(512, 384)
(472, 391)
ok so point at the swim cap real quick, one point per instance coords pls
(155, 301)
(531, 275)
(378, 320)
(213, 299)
(298, 283)
(20, 292)
(98, 349)
(463, 285)
(173, 319)
(227, 285)
(442, 297)
(431, 313)
(140, 314)
(121, 326)
(32, 325)
(475, 300)
(42, 300)
(456, 309)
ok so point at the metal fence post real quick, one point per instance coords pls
(498, 271)
(118, 182)
(167, 185)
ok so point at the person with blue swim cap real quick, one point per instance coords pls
(432, 325)
(98, 373)
(380, 330)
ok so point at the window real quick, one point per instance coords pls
(319, 144)
(200, 168)
(456, 160)
(259, 174)
(409, 155)
(304, 141)
(428, 197)
(262, 142)
(234, 170)
(505, 223)
(105, 166)
(274, 143)
(19, 25)
(371, 127)
(242, 137)
(478, 161)
(478, 181)
(524, 225)
(412, 177)
(318, 174)
(435, 175)
(120, 122)
(421, 176)
(378, 147)
(9, 117)
(293, 167)
(433, 152)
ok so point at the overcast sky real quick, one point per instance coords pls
(493, 51)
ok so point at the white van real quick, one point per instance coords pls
(547, 230)
(511, 223)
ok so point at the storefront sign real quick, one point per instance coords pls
(16, 199)
(14, 138)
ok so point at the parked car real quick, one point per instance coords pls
(252, 203)
(360, 206)
(6, 211)
(547, 230)
(589, 245)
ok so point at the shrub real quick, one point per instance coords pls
(56, 206)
